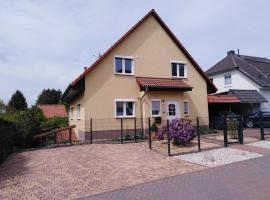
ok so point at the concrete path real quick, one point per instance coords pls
(247, 180)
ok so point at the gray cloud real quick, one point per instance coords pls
(46, 43)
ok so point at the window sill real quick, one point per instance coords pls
(123, 74)
(124, 117)
(180, 77)
(155, 116)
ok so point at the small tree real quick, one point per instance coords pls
(17, 102)
(28, 123)
(49, 96)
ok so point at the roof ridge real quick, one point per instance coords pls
(242, 59)
(256, 57)
(233, 60)
(222, 60)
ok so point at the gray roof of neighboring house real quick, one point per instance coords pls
(256, 68)
(249, 96)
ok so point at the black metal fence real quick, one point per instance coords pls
(183, 136)
(122, 130)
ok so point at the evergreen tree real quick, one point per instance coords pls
(17, 101)
(49, 96)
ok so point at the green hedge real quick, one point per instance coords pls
(7, 133)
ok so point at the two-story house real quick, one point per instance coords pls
(146, 73)
(243, 83)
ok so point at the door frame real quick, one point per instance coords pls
(177, 108)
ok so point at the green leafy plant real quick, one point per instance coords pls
(154, 127)
(232, 129)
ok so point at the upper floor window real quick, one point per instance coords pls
(179, 69)
(228, 80)
(124, 108)
(123, 65)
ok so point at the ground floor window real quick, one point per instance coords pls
(186, 107)
(155, 107)
(124, 108)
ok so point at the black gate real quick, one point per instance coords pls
(233, 129)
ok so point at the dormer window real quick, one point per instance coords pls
(178, 69)
(123, 65)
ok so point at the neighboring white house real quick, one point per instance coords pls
(246, 77)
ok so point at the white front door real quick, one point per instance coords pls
(172, 109)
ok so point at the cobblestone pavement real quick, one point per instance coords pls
(71, 172)
(247, 180)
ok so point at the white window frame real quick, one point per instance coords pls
(71, 113)
(123, 65)
(227, 85)
(78, 111)
(159, 108)
(177, 71)
(124, 108)
(186, 101)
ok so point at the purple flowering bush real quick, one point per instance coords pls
(181, 132)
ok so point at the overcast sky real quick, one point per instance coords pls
(46, 44)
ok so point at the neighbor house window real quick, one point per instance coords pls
(228, 80)
(186, 107)
(155, 107)
(125, 108)
(71, 113)
(179, 70)
(79, 111)
(123, 65)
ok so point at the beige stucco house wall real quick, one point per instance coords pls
(152, 50)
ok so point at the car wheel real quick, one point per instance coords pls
(250, 124)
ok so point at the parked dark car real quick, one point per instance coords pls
(254, 119)
(218, 120)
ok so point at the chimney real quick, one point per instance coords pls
(231, 52)
(85, 68)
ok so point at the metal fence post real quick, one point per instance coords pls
(261, 126)
(149, 133)
(122, 141)
(198, 134)
(135, 130)
(225, 131)
(91, 131)
(55, 137)
(240, 131)
(70, 136)
(169, 139)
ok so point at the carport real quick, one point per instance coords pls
(243, 102)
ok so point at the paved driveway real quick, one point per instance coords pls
(77, 171)
(247, 180)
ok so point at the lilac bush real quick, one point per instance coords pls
(181, 132)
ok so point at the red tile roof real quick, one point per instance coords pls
(54, 110)
(162, 83)
(153, 13)
(218, 98)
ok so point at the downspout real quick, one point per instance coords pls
(141, 111)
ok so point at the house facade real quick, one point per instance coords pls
(146, 73)
(246, 78)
